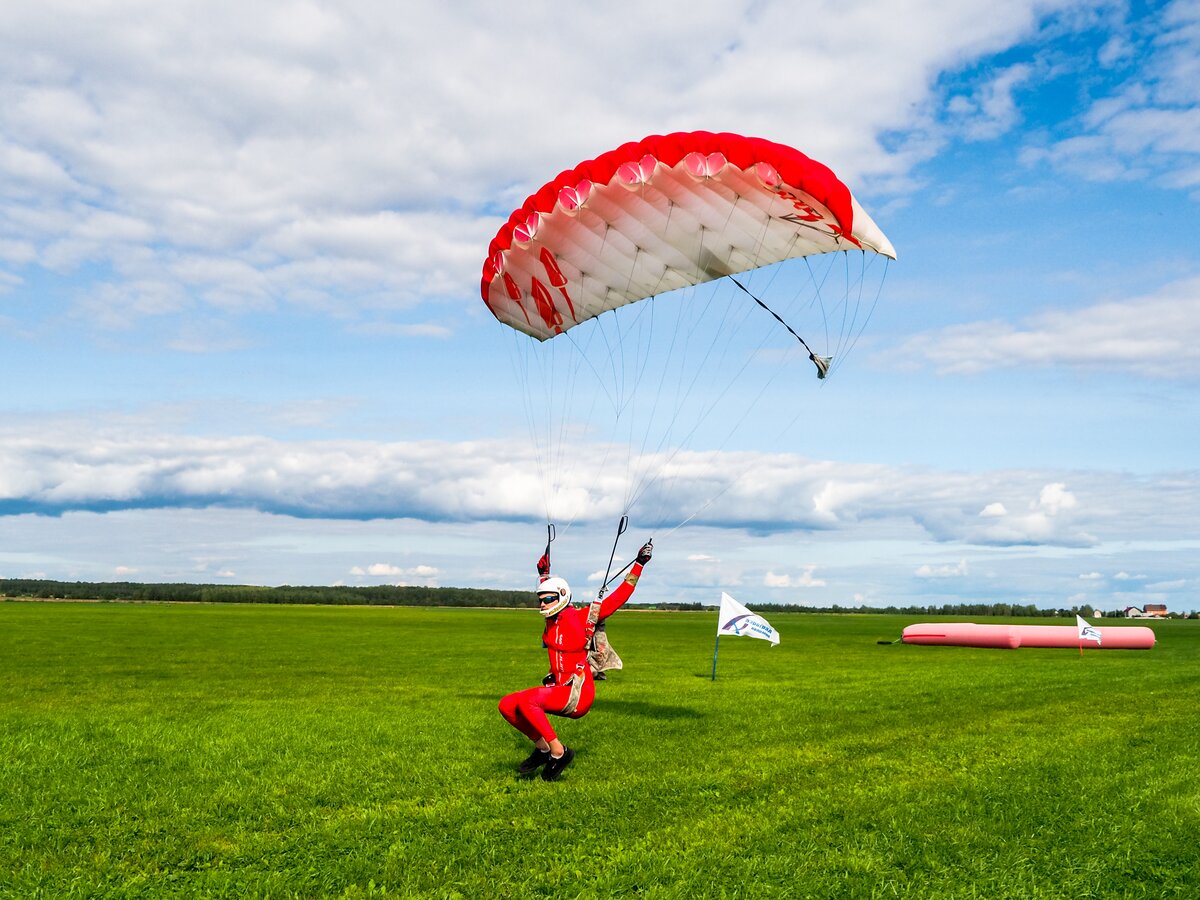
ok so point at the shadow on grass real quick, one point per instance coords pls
(652, 710)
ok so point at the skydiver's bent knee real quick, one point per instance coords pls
(508, 707)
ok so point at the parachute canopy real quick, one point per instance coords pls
(660, 214)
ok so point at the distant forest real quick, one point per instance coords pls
(392, 595)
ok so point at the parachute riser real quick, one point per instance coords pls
(821, 362)
(621, 526)
(625, 568)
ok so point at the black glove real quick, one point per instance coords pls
(643, 555)
(543, 564)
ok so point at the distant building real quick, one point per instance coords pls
(1152, 611)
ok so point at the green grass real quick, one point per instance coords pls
(213, 751)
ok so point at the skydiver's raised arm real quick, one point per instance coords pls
(624, 591)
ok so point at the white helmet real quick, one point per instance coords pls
(558, 594)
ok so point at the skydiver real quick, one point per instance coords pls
(571, 689)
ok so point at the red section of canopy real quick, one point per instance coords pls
(796, 170)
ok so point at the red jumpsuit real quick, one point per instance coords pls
(566, 638)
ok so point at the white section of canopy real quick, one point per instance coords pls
(625, 244)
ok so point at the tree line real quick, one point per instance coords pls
(336, 595)
(410, 595)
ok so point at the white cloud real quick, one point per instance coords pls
(1049, 520)
(124, 571)
(1091, 576)
(393, 329)
(50, 470)
(993, 510)
(1155, 336)
(958, 570)
(1055, 498)
(993, 110)
(1125, 576)
(1173, 585)
(805, 579)
(329, 157)
(422, 574)
(383, 569)
(1117, 49)
(14, 251)
(1149, 122)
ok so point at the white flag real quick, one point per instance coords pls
(1086, 631)
(736, 619)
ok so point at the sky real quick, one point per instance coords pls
(241, 336)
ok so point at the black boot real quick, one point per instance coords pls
(533, 762)
(555, 767)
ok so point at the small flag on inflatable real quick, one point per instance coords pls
(1086, 632)
(738, 621)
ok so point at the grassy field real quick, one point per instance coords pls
(215, 751)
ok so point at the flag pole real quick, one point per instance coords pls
(716, 647)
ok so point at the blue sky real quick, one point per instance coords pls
(241, 338)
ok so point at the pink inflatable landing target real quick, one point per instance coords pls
(1010, 637)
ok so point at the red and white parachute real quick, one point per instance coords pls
(612, 381)
(660, 214)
